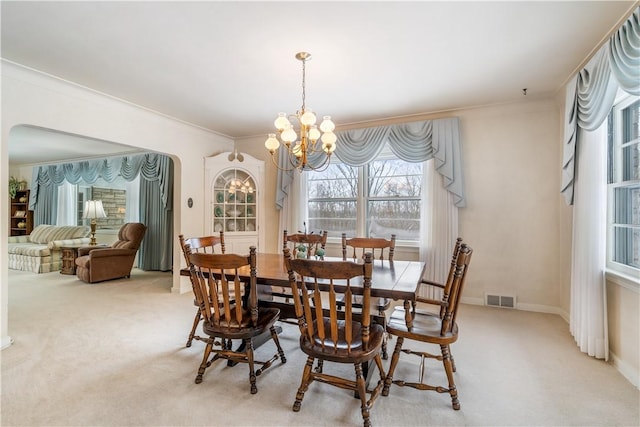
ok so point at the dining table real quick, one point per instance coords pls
(397, 280)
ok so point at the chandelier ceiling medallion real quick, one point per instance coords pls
(308, 139)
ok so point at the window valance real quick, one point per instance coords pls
(411, 142)
(150, 166)
(591, 93)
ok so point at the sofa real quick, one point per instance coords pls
(40, 251)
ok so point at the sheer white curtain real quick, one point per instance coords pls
(67, 204)
(132, 188)
(438, 227)
(293, 209)
(588, 313)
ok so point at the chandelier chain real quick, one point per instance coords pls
(304, 63)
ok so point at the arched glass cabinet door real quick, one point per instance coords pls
(234, 198)
(234, 202)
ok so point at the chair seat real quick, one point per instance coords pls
(266, 318)
(339, 352)
(426, 327)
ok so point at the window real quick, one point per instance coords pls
(376, 200)
(623, 190)
(120, 200)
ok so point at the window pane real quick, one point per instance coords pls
(631, 119)
(631, 162)
(630, 136)
(395, 178)
(393, 205)
(337, 181)
(335, 216)
(626, 249)
(627, 205)
(399, 217)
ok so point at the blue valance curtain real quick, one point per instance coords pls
(591, 93)
(411, 142)
(156, 187)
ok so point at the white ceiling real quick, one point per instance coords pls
(229, 66)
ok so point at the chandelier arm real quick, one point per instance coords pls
(273, 158)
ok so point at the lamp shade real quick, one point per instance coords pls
(93, 209)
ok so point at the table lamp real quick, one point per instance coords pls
(93, 209)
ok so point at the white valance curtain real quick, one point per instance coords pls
(591, 93)
(156, 194)
(589, 98)
(151, 166)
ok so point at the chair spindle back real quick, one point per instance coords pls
(318, 317)
(375, 245)
(215, 278)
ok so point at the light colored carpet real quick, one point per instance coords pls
(113, 354)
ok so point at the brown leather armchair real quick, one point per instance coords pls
(96, 264)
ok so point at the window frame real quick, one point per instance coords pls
(616, 270)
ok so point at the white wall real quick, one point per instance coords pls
(512, 177)
(35, 99)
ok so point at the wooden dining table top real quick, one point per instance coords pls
(398, 280)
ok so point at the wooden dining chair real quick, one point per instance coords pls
(204, 244)
(431, 328)
(301, 245)
(380, 248)
(328, 334)
(215, 278)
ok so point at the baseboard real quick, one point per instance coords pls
(627, 371)
(539, 308)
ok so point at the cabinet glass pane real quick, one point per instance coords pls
(234, 207)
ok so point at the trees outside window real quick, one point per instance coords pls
(375, 200)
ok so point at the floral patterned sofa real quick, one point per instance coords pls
(40, 252)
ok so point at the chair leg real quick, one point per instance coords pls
(274, 336)
(394, 361)
(453, 362)
(304, 384)
(446, 360)
(252, 374)
(205, 362)
(362, 392)
(385, 356)
(196, 321)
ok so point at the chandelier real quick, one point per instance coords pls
(308, 139)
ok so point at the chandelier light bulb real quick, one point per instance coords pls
(272, 143)
(288, 135)
(308, 118)
(327, 125)
(282, 122)
(314, 133)
(329, 138)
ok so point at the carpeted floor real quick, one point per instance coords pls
(113, 354)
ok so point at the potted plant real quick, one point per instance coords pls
(14, 185)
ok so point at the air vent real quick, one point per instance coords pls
(505, 301)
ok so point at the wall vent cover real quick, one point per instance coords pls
(505, 301)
